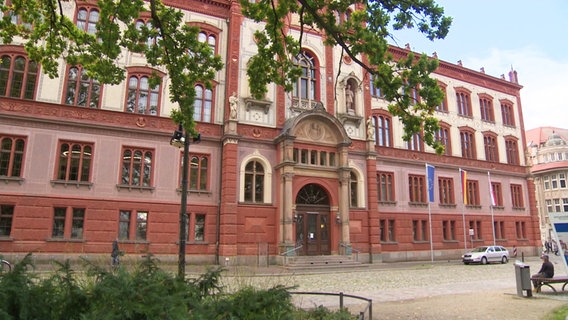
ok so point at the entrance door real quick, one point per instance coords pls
(312, 221)
(312, 231)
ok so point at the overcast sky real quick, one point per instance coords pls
(530, 36)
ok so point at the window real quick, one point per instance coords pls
(383, 130)
(517, 196)
(62, 229)
(565, 205)
(387, 230)
(415, 143)
(444, 137)
(554, 181)
(87, 19)
(203, 104)
(549, 207)
(385, 187)
(74, 163)
(416, 189)
(499, 227)
(306, 86)
(476, 226)
(140, 97)
(521, 229)
(145, 27)
(446, 190)
(463, 102)
(11, 156)
(132, 226)
(486, 108)
(205, 36)
(199, 229)
(353, 185)
(136, 167)
(254, 182)
(6, 217)
(375, 91)
(468, 143)
(546, 182)
(449, 230)
(507, 113)
(512, 151)
(443, 106)
(198, 172)
(472, 193)
(18, 76)
(490, 144)
(557, 207)
(420, 230)
(81, 90)
(497, 193)
(15, 18)
(562, 180)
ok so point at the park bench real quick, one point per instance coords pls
(549, 281)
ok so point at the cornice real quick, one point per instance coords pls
(218, 8)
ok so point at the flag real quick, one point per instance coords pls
(430, 179)
(463, 175)
(491, 194)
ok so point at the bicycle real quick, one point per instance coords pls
(5, 266)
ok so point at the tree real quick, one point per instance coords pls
(365, 33)
(49, 35)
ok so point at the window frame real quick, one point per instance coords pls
(143, 75)
(463, 102)
(204, 103)
(310, 75)
(417, 189)
(486, 108)
(491, 147)
(517, 197)
(467, 141)
(6, 219)
(507, 113)
(27, 79)
(472, 189)
(443, 106)
(386, 190)
(145, 179)
(387, 230)
(69, 167)
(12, 160)
(446, 192)
(90, 9)
(445, 137)
(200, 169)
(79, 84)
(512, 150)
(382, 123)
(65, 223)
(132, 225)
(449, 230)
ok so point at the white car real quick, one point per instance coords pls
(486, 254)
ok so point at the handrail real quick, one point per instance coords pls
(285, 253)
(357, 251)
(341, 295)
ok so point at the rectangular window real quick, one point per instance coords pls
(554, 181)
(74, 161)
(387, 230)
(449, 230)
(420, 230)
(562, 180)
(476, 226)
(58, 230)
(416, 189)
(520, 228)
(499, 230)
(6, 217)
(136, 167)
(473, 193)
(11, 156)
(557, 207)
(385, 181)
(199, 229)
(68, 223)
(546, 181)
(565, 205)
(517, 196)
(132, 227)
(446, 190)
(549, 207)
(497, 193)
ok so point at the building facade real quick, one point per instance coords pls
(321, 170)
(547, 153)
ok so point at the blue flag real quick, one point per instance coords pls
(430, 181)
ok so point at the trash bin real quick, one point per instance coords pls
(523, 276)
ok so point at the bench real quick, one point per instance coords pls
(548, 281)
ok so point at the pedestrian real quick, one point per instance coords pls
(546, 271)
(115, 254)
(555, 248)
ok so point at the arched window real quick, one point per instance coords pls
(198, 172)
(491, 148)
(468, 143)
(145, 24)
(136, 167)
(443, 136)
(81, 90)
(306, 86)
(74, 161)
(209, 38)
(254, 182)
(353, 194)
(18, 76)
(443, 106)
(507, 113)
(141, 98)
(203, 104)
(463, 102)
(512, 150)
(11, 156)
(486, 108)
(87, 19)
(383, 130)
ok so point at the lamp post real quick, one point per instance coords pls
(179, 139)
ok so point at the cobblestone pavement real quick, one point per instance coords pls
(432, 287)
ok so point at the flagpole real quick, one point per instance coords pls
(491, 204)
(463, 213)
(431, 235)
(430, 186)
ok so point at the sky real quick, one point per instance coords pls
(528, 36)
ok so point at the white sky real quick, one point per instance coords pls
(530, 36)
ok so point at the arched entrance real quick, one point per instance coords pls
(312, 221)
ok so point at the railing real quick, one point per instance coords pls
(286, 253)
(353, 249)
(368, 310)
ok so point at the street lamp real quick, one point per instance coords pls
(179, 139)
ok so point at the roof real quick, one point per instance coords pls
(540, 135)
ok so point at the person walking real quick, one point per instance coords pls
(115, 254)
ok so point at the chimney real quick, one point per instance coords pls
(513, 76)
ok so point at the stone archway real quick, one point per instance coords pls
(313, 221)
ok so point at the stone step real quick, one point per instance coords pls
(322, 263)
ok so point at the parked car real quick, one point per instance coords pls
(486, 254)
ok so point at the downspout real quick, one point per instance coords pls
(218, 223)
